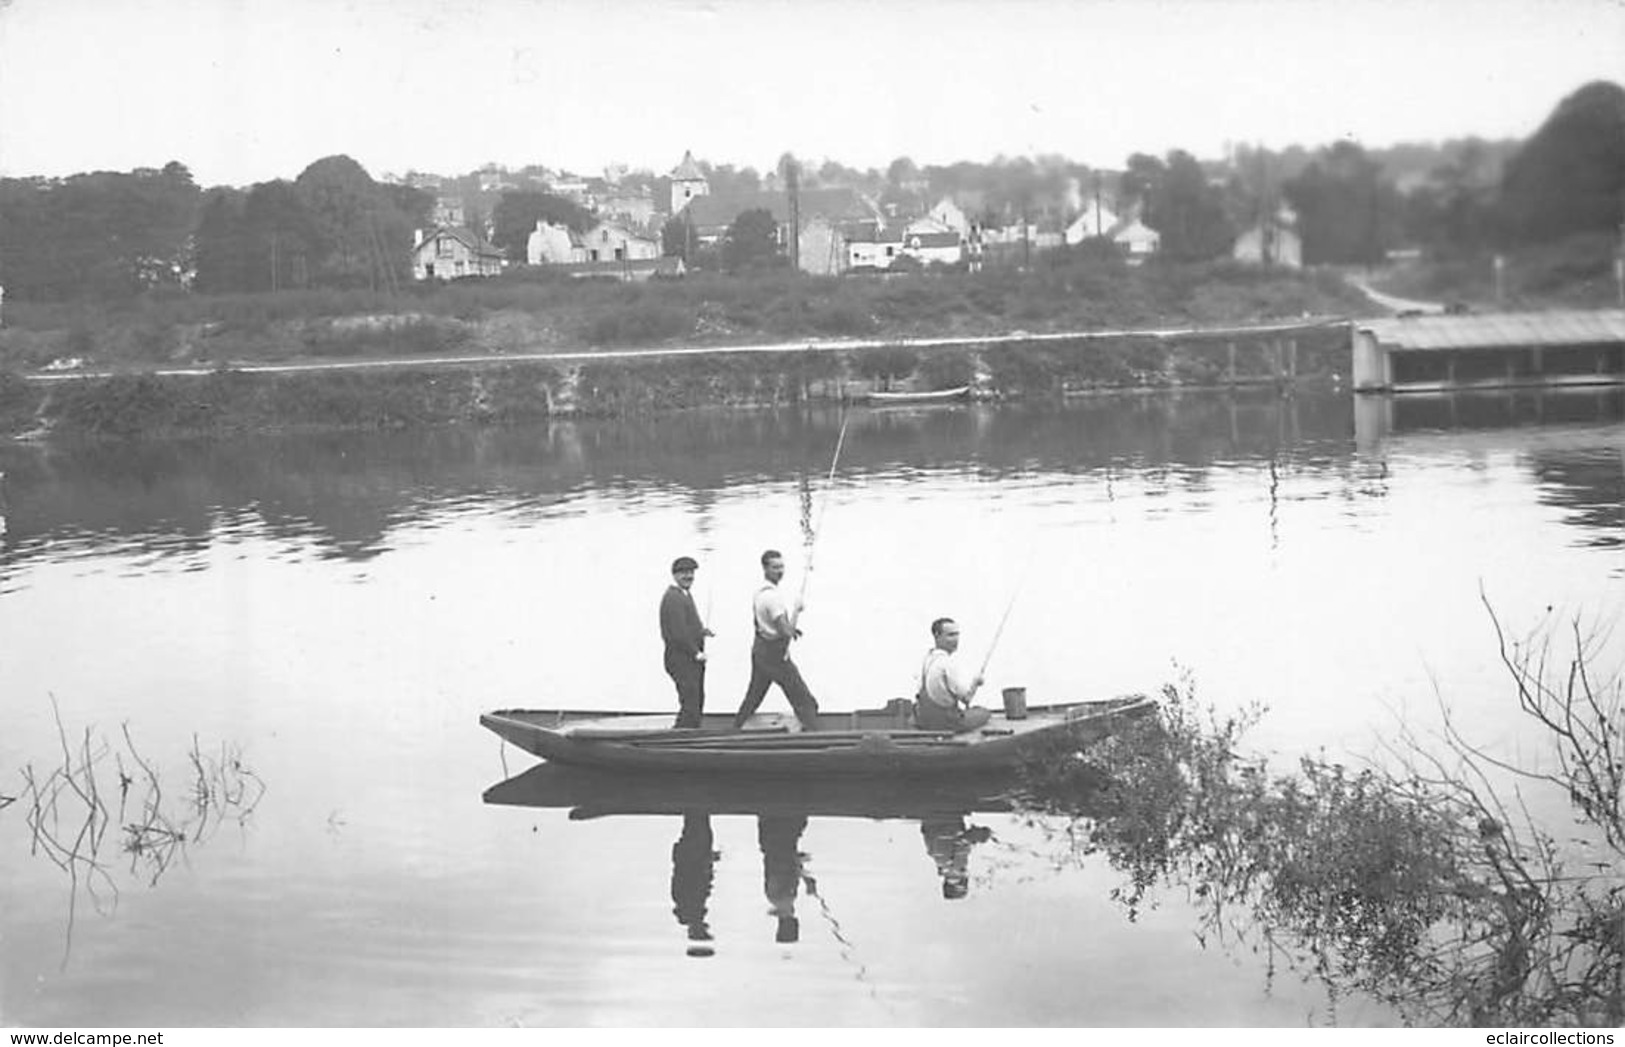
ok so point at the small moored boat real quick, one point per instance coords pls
(919, 399)
(865, 742)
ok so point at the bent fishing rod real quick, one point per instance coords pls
(818, 526)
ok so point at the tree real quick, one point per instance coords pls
(221, 243)
(1188, 211)
(675, 237)
(1142, 177)
(1570, 176)
(106, 234)
(1455, 211)
(517, 213)
(280, 238)
(1348, 213)
(363, 233)
(752, 241)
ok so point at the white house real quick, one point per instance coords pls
(1135, 237)
(1095, 221)
(613, 242)
(873, 250)
(945, 248)
(450, 252)
(949, 215)
(551, 244)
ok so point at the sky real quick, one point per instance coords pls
(243, 91)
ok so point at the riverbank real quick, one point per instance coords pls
(398, 393)
(532, 345)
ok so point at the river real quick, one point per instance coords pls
(293, 637)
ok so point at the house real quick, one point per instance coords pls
(550, 244)
(687, 183)
(872, 249)
(950, 215)
(822, 246)
(710, 215)
(494, 179)
(1135, 237)
(448, 211)
(1272, 241)
(941, 248)
(1096, 221)
(1028, 236)
(614, 242)
(453, 251)
(636, 208)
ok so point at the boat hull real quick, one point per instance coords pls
(868, 743)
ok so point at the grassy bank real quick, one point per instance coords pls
(228, 401)
(1577, 273)
(532, 311)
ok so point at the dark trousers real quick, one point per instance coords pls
(929, 716)
(769, 664)
(689, 676)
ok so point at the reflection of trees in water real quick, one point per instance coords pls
(1417, 886)
(71, 806)
(345, 492)
(1590, 485)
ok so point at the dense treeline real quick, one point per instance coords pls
(112, 236)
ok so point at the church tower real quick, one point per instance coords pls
(686, 183)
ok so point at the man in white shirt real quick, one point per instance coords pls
(770, 662)
(947, 686)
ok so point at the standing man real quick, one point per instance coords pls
(770, 651)
(946, 685)
(684, 634)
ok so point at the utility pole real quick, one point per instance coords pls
(1026, 240)
(1099, 230)
(1619, 262)
(792, 183)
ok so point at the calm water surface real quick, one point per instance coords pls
(326, 617)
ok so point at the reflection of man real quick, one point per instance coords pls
(781, 869)
(949, 841)
(770, 662)
(684, 634)
(692, 862)
(946, 685)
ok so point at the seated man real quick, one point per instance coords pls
(946, 687)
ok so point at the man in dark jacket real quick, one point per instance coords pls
(684, 633)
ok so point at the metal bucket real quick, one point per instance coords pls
(1015, 703)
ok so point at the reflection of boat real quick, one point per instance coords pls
(865, 742)
(919, 399)
(594, 792)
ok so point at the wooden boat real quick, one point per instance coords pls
(597, 792)
(919, 399)
(863, 743)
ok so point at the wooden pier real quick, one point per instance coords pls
(1489, 351)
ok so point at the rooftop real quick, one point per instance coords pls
(1500, 330)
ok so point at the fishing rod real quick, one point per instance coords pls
(1011, 606)
(818, 526)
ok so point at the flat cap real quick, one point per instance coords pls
(684, 563)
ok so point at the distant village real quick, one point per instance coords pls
(824, 231)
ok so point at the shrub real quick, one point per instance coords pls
(886, 364)
(642, 324)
